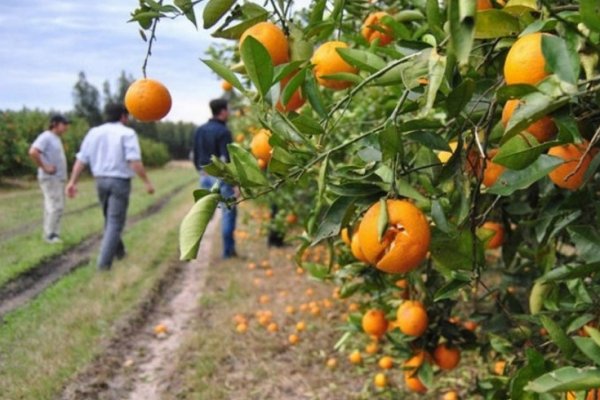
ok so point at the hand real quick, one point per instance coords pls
(149, 188)
(49, 169)
(71, 189)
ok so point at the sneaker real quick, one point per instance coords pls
(53, 239)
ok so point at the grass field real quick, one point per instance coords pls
(23, 251)
(44, 343)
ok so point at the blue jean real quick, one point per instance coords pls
(114, 199)
(228, 214)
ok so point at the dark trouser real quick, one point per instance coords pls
(114, 199)
(229, 214)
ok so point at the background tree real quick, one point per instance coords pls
(86, 99)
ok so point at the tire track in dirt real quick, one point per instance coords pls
(135, 364)
(32, 282)
(31, 226)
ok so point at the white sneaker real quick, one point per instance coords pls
(54, 239)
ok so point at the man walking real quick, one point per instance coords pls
(211, 139)
(112, 152)
(49, 155)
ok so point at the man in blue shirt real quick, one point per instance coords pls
(211, 139)
(112, 152)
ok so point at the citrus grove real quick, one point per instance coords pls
(444, 155)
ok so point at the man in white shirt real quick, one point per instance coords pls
(49, 155)
(112, 151)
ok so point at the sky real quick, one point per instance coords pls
(44, 44)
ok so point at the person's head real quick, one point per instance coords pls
(116, 112)
(58, 124)
(219, 109)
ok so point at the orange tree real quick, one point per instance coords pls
(456, 142)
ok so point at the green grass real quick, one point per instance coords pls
(43, 344)
(23, 252)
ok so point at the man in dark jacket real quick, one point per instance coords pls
(211, 139)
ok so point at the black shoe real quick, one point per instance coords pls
(121, 254)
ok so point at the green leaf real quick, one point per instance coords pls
(509, 92)
(520, 151)
(589, 348)
(558, 336)
(252, 14)
(343, 76)
(225, 73)
(449, 290)
(187, 8)
(317, 271)
(535, 367)
(214, 11)
(331, 222)
(533, 107)
(587, 242)
(434, 19)
(306, 124)
(437, 214)
(258, 64)
(361, 59)
(492, 24)
(194, 225)
(590, 14)
(430, 140)
(283, 70)
(461, 15)
(436, 70)
(246, 167)
(407, 190)
(390, 142)
(453, 252)
(511, 181)
(559, 59)
(292, 85)
(565, 379)
(312, 93)
(566, 272)
(200, 193)
(594, 334)
(382, 222)
(459, 97)
(537, 296)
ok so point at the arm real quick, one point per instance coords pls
(138, 167)
(71, 188)
(196, 158)
(36, 155)
(224, 140)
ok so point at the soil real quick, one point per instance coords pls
(29, 284)
(137, 363)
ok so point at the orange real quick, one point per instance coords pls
(492, 171)
(242, 327)
(357, 249)
(446, 357)
(345, 236)
(404, 288)
(372, 348)
(374, 323)
(525, 61)
(470, 325)
(444, 156)
(543, 129)
(593, 394)
(380, 380)
(291, 219)
(411, 370)
(273, 38)
(264, 299)
(571, 154)
(300, 326)
(148, 100)
(484, 5)
(386, 362)
(226, 86)
(295, 101)
(272, 327)
(293, 339)
(240, 137)
(327, 61)
(160, 329)
(412, 318)
(262, 164)
(499, 367)
(374, 29)
(405, 242)
(355, 357)
(498, 238)
(451, 395)
(331, 363)
(260, 146)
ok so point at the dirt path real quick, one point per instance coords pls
(32, 282)
(136, 363)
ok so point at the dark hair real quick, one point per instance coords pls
(113, 112)
(218, 105)
(57, 119)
